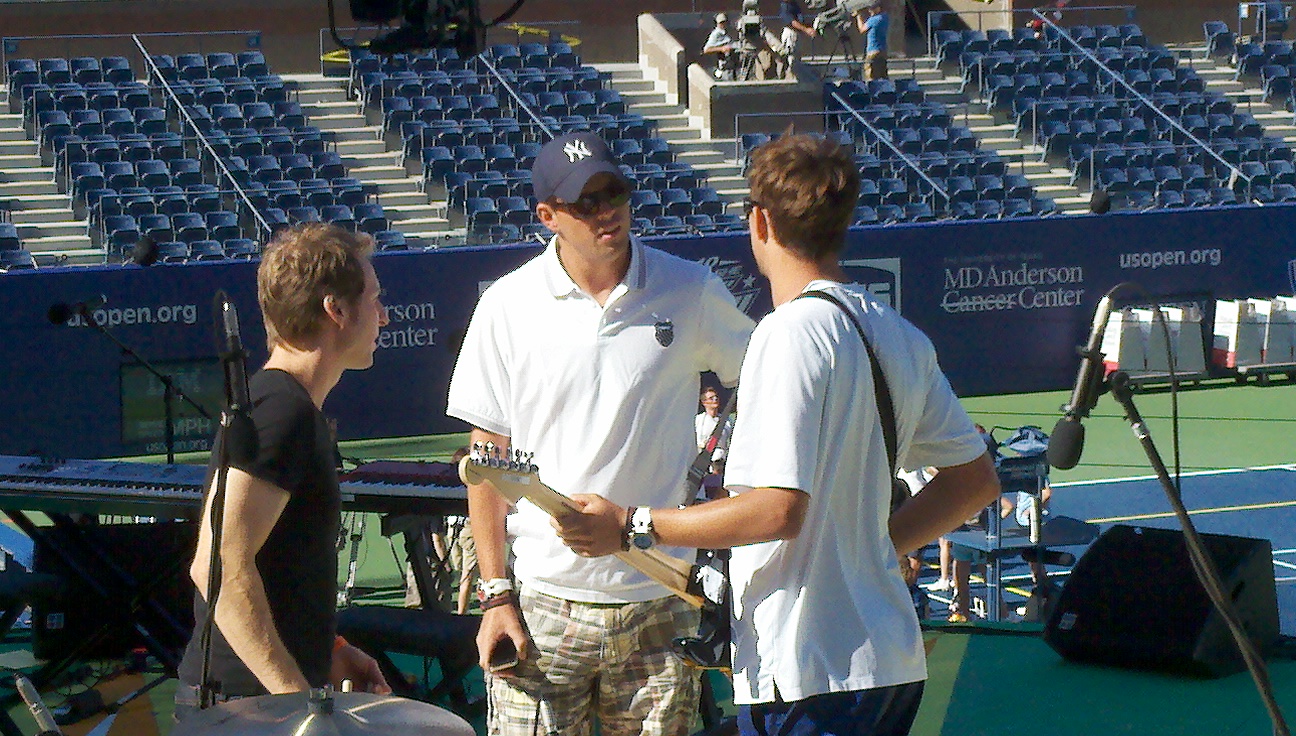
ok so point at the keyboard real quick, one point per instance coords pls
(158, 489)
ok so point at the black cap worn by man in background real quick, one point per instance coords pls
(567, 162)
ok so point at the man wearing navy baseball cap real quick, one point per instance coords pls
(585, 356)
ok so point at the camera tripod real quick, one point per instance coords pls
(745, 68)
(846, 46)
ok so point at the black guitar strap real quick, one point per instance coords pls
(882, 393)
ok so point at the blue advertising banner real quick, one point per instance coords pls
(1005, 302)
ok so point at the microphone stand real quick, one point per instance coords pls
(169, 389)
(235, 427)
(1203, 565)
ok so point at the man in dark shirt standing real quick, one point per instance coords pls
(275, 629)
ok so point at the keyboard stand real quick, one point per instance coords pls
(93, 567)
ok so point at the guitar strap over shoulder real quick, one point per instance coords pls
(882, 393)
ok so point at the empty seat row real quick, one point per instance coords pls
(255, 115)
(217, 65)
(35, 98)
(269, 88)
(532, 55)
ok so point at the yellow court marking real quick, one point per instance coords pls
(1194, 512)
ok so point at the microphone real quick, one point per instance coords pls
(1067, 441)
(231, 346)
(60, 312)
(241, 432)
(41, 714)
(145, 253)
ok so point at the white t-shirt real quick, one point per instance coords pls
(603, 395)
(703, 425)
(719, 37)
(828, 611)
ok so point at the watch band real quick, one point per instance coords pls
(641, 520)
(493, 587)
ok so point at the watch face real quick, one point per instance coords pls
(643, 541)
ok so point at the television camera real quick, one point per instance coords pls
(425, 24)
(839, 16)
(751, 32)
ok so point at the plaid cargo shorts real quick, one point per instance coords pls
(610, 662)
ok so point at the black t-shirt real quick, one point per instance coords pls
(298, 563)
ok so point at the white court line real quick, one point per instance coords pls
(1279, 563)
(1189, 474)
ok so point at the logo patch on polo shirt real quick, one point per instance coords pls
(665, 331)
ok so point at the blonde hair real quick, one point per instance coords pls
(300, 266)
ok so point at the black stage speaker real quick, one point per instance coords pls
(156, 555)
(1133, 601)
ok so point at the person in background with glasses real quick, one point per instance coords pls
(826, 640)
(583, 356)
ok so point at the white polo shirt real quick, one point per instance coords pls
(603, 395)
(828, 611)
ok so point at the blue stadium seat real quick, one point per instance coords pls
(241, 249)
(646, 204)
(222, 225)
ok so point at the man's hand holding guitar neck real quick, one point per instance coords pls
(487, 510)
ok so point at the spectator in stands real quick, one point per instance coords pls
(825, 637)
(874, 30)
(705, 422)
(721, 45)
(275, 618)
(579, 357)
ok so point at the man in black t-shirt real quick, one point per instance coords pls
(275, 632)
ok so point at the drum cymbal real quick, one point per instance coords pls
(352, 714)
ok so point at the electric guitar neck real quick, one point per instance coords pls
(519, 479)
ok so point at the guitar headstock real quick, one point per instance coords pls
(506, 468)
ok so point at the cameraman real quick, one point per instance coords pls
(874, 30)
(721, 44)
(794, 26)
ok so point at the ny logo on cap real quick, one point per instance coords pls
(576, 150)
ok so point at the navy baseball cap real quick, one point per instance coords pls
(567, 162)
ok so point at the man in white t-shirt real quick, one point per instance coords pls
(705, 422)
(584, 357)
(825, 636)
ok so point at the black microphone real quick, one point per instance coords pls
(1067, 441)
(60, 312)
(241, 433)
(145, 253)
(41, 714)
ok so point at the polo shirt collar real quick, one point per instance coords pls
(561, 285)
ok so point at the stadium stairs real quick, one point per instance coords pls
(994, 135)
(367, 157)
(1219, 77)
(713, 157)
(42, 214)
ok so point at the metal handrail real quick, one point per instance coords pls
(886, 140)
(1261, 19)
(1119, 79)
(517, 97)
(154, 72)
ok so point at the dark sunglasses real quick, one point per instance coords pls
(588, 205)
(748, 205)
